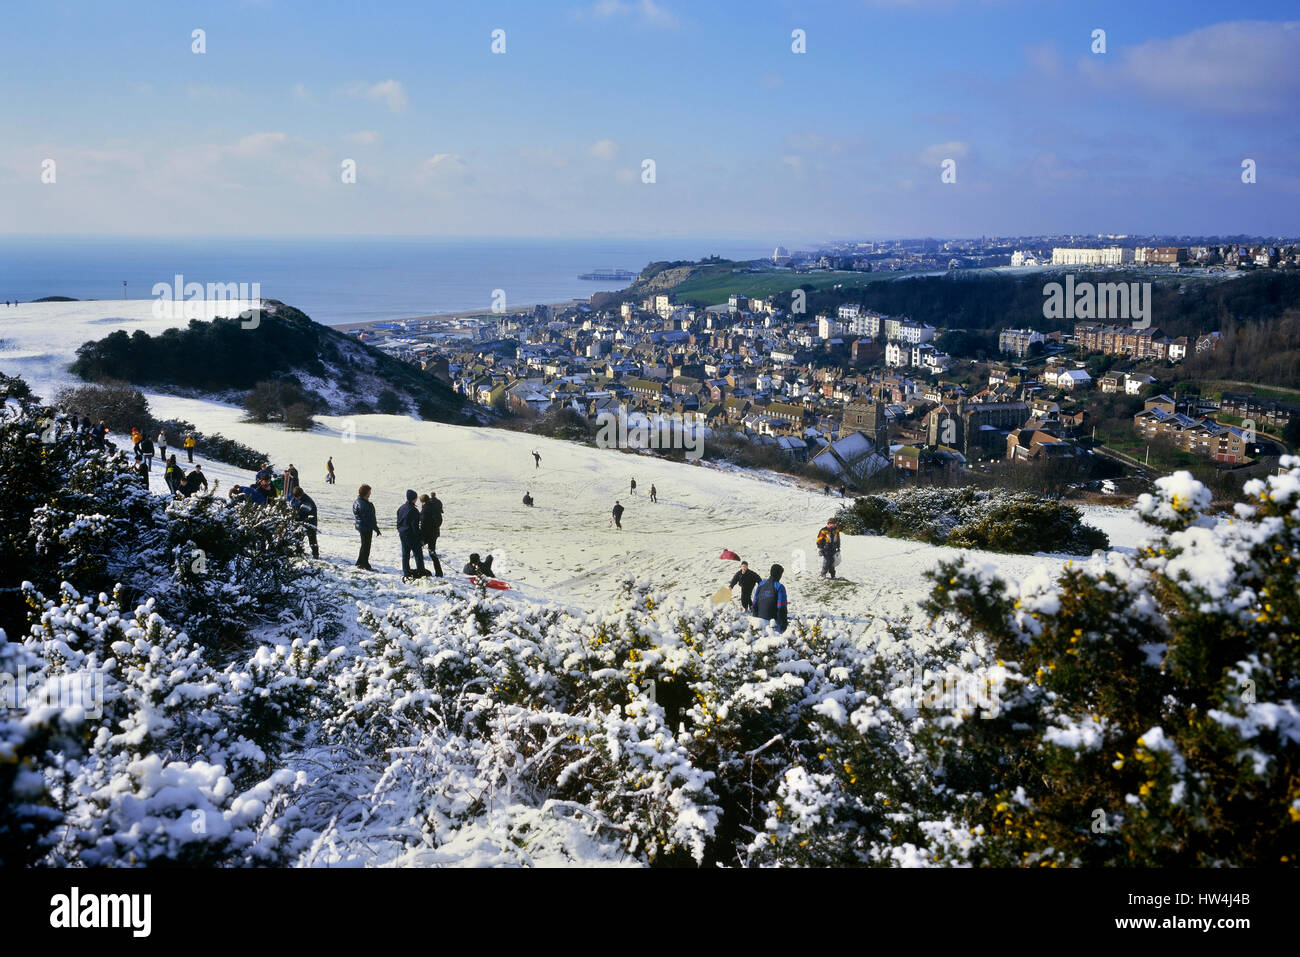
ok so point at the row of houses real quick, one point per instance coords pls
(1161, 420)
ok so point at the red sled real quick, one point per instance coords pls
(728, 555)
(496, 583)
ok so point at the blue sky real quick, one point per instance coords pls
(748, 138)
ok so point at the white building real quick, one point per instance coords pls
(1069, 379)
(1134, 384)
(1109, 256)
(1018, 341)
(897, 354)
(828, 328)
(914, 333)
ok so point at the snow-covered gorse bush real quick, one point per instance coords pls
(134, 747)
(657, 731)
(992, 519)
(122, 739)
(1150, 716)
(72, 512)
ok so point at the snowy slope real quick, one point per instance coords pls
(562, 550)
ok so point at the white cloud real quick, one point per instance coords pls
(441, 164)
(364, 137)
(301, 93)
(627, 176)
(646, 12)
(1238, 66)
(391, 93)
(257, 144)
(603, 149)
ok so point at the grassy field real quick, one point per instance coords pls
(1164, 457)
(1217, 388)
(714, 288)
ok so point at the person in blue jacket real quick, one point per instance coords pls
(408, 532)
(257, 493)
(363, 517)
(770, 599)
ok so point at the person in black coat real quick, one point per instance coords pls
(304, 508)
(480, 567)
(363, 517)
(174, 476)
(746, 579)
(408, 533)
(430, 526)
(618, 515)
(194, 481)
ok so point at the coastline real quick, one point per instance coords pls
(463, 314)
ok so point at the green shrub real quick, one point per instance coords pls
(993, 520)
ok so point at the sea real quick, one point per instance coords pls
(345, 280)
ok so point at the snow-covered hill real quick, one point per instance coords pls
(353, 719)
(563, 549)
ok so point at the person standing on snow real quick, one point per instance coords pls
(363, 517)
(654, 494)
(146, 449)
(430, 526)
(304, 509)
(189, 447)
(162, 445)
(537, 460)
(329, 471)
(828, 546)
(770, 600)
(173, 475)
(408, 533)
(617, 520)
(633, 489)
(746, 579)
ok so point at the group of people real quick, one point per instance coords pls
(617, 511)
(263, 491)
(763, 598)
(82, 424)
(766, 598)
(654, 492)
(419, 521)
